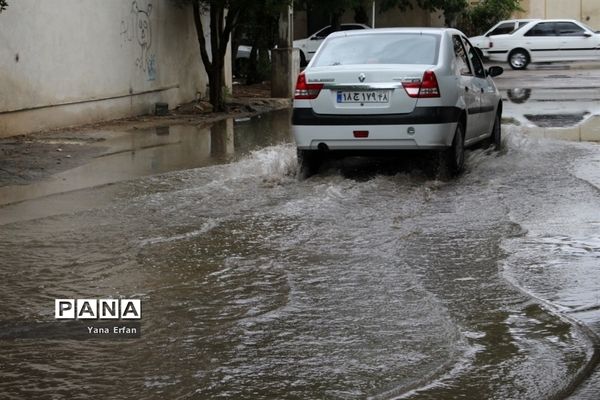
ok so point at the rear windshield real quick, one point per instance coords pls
(380, 48)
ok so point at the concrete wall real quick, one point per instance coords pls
(587, 11)
(68, 62)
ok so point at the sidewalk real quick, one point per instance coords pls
(28, 158)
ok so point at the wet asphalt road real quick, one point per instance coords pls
(373, 279)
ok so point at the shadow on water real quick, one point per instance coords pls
(363, 168)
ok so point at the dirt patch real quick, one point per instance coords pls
(259, 90)
(28, 158)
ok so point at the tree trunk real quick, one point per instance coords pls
(215, 88)
(252, 76)
(220, 30)
(335, 21)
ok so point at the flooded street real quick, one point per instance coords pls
(369, 280)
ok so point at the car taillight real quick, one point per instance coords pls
(306, 91)
(427, 87)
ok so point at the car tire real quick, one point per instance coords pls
(303, 62)
(496, 136)
(518, 59)
(309, 162)
(453, 158)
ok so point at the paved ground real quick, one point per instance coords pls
(573, 75)
(27, 158)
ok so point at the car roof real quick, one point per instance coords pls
(437, 31)
(557, 20)
(521, 20)
(346, 24)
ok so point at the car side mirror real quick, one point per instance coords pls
(495, 71)
(587, 34)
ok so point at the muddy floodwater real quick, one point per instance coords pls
(369, 280)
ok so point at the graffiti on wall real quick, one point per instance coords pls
(137, 28)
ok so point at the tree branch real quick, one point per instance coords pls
(214, 35)
(200, 34)
(231, 21)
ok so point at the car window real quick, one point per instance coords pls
(379, 48)
(461, 66)
(542, 29)
(475, 60)
(323, 33)
(502, 29)
(522, 24)
(569, 29)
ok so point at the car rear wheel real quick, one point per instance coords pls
(453, 159)
(309, 162)
(303, 62)
(518, 59)
(496, 137)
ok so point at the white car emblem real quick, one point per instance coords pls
(362, 77)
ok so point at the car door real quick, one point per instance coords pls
(469, 91)
(542, 43)
(486, 90)
(576, 43)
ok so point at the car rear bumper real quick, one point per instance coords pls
(380, 137)
(425, 128)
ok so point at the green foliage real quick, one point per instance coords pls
(224, 17)
(3, 5)
(331, 6)
(259, 29)
(487, 13)
(452, 9)
(458, 13)
(385, 5)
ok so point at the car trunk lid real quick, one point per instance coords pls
(365, 89)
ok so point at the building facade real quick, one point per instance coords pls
(586, 11)
(71, 62)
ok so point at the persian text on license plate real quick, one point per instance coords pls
(372, 96)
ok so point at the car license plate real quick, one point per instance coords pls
(371, 96)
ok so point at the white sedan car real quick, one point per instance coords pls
(395, 89)
(309, 46)
(546, 41)
(506, 27)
